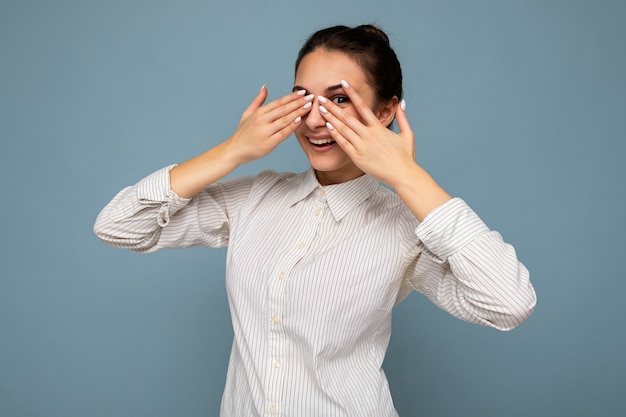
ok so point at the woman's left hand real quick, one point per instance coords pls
(375, 149)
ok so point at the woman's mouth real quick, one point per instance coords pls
(321, 142)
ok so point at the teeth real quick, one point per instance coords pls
(321, 141)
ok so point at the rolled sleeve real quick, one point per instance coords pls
(448, 229)
(470, 271)
(136, 215)
(155, 189)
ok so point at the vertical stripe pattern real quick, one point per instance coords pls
(313, 274)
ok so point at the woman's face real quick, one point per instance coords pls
(320, 73)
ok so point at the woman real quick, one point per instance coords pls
(317, 261)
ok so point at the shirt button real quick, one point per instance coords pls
(276, 363)
(281, 275)
(317, 212)
(275, 319)
(321, 192)
(272, 409)
(301, 246)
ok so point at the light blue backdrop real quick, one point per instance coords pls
(519, 107)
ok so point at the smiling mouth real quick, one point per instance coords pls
(321, 142)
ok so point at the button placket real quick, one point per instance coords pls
(302, 241)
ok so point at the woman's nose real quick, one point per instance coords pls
(314, 118)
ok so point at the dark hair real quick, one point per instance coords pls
(369, 47)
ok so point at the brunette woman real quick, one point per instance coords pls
(317, 260)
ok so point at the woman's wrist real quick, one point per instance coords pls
(420, 192)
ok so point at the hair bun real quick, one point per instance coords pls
(374, 31)
(368, 46)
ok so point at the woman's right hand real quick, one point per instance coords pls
(263, 127)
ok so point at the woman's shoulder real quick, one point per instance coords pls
(271, 175)
(386, 203)
(279, 182)
(387, 197)
(264, 178)
(269, 178)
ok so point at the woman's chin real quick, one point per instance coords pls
(325, 164)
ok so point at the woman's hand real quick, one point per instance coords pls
(385, 155)
(260, 130)
(263, 127)
(375, 149)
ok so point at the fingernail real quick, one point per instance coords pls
(298, 119)
(323, 109)
(307, 105)
(309, 97)
(345, 84)
(301, 92)
(403, 105)
(329, 126)
(322, 99)
(262, 87)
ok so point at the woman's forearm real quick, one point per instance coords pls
(261, 129)
(196, 174)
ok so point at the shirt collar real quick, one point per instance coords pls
(341, 198)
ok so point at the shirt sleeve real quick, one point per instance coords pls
(149, 216)
(469, 271)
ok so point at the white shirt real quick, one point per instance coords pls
(313, 274)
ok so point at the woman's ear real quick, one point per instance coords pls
(387, 111)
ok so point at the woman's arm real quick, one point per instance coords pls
(260, 130)
(148, 216)
(464, 268)
(387, 156)
(469, 271)
(182, 198)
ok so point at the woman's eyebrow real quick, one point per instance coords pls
(328, 89)
(333, 88)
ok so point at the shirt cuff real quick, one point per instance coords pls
(448, 228)
(155, 190)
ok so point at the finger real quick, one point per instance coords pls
(287, 105)
(286, 118)
(288, 125)
(403, 120)
(256, 103)
(338, 128)
(359, 104)
(285, 132)
(290, 121)
(404, 126)
(333, 113)
(291, 98)
(341, 140)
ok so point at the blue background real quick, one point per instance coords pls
(518, 106)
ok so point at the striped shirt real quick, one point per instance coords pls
(313, 273)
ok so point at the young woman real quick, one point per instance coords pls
(317, 260)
